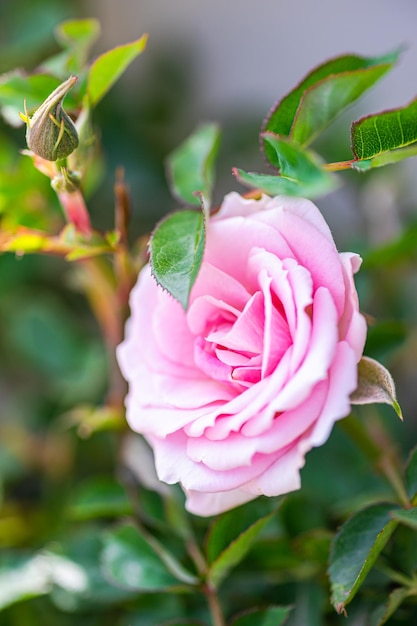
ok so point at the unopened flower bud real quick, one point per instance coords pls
(51, 133)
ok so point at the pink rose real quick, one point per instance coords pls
(232, 393)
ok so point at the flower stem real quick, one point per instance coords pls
(214, 606)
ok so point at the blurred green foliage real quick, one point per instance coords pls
(64, 476)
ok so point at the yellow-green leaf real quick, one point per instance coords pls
(190, 166)
(108, 67)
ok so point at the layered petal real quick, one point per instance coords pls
(233, 393)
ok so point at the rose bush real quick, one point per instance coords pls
(233, 392)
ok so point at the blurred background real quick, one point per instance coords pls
(207, 60)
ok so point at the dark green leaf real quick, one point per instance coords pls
(384, 612)
(411, 474)
(22, 578)
(155, 608)
(322, 95)
(176, 249)
(44, 334)
(270, 616)
(355, 549)
(190, 166)
(408, 517)
(139, 563)
(71, 574)
(230, 539)
(227, 527)
(375, 135)
(375, 384)
(403, 552)
(300, 173)
(99, 497)
(108, 67)
(77, 576)
(309, 605)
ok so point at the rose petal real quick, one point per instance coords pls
(281, 477)
(246, 334)
(174, 465)
(206, 504)
(240, 448)
(343, 380)
(352, 325)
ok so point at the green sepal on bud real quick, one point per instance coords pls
(50, 132)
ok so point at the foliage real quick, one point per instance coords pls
(87, 534)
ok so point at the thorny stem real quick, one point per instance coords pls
(372, 438)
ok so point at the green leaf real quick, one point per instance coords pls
(309, 603)
(408, 517)
(70, 574)
(322, 95)
(395, 599)
(376, 136)
(80, 33)
(270, 616)
(190, 167)
(411, 474)
(139, 563)
(156, 608)
(22, 578)
(355, 549)
(16, 89)
(99, 497)
(78, 580)
(230, 539)
(375, 384)
(76, 37)
(108, 67)
(322, 103)
(300, 173)
(386, 158)
(176, 252)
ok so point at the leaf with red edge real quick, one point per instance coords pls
(322, 95)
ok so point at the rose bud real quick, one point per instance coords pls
(51, 133)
